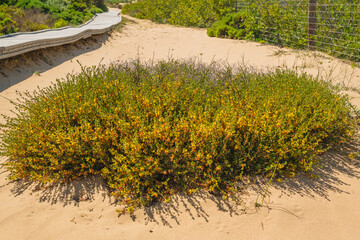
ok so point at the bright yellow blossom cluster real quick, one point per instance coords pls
(153, 130)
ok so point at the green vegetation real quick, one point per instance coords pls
(231, 26)
(194, 13)
(33, 15)
(115, 3)
(153, 130)
(283, 23)
(265, 21)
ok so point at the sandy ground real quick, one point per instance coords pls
(298, 208)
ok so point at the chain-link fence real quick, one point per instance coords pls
(330, 26)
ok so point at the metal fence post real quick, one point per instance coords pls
(312, 24)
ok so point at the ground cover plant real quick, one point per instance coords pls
(33, 15)
(153, 130)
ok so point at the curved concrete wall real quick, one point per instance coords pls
(19, 43)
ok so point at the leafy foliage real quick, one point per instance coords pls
(153, 130)
(285, 23)
(78, 13)
(231, 26)
(33, 15)
(60, 23)
(115, 3)
(7, 24)
(200, 13)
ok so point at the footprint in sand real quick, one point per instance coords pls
(83, 218)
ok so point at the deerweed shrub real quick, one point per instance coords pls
(153, 130)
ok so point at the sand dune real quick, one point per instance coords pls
(298, 208)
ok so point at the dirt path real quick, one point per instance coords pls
(299, 208)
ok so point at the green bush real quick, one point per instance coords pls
(33, 26)
(154, 130)
(28, 4)
(60, 5)
(232, 26)
(7, 26)
(60, 23)
(32, 15)
(284, 23)
(78, 13)
(200, 13)
(14, 19)
(264, 21)
(115, 3)
(7, 23)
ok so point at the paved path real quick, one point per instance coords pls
(18, 43)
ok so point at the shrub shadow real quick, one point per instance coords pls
(337, 168)
(167, 214)
(331, 176)
(191, 207)
(71, 193)
(335, 164)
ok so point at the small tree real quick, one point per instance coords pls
(101, 4)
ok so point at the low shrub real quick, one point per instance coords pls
(199, 13)
(60, 23)
(263, 21)
(13, 19)
(231, 26)
(78, 13)
(285, 23)
(153, 130)
(117, 3)
(7, 23)
(33, 26)
(33, 4)
(33, 20)
(58, 5)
